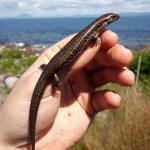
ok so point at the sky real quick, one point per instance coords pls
(61, 8)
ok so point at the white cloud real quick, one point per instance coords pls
(53, 8)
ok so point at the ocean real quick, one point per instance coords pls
(133, 29)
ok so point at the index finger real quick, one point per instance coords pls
(111, 53)
(81, 62)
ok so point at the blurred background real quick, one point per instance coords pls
(29, 27)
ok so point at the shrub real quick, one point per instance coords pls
(14, 62)
(145, 64)
(144, 76)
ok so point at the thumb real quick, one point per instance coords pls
(87, 55)
(84, 59)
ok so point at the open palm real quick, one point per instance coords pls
(64, 116)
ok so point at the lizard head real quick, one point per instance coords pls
(109, 18)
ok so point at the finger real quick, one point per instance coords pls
(108, 40)
(49, 53)
(86, 57)
(105, 100)
(122, 76)
(117, 56)
(104, 38)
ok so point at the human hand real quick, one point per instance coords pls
(66, 120)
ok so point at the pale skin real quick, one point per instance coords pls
(63, 121)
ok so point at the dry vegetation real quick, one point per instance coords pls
(127, 128)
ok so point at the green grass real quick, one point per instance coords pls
(144, 77)
(14, 62)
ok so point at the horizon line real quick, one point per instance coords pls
(72, 16)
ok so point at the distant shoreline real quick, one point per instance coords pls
(24, 46)
(76, 16)
(38, 48)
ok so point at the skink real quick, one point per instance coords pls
(64, 60)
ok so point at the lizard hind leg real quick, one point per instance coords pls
(56, 83)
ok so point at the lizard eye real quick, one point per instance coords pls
(106, 22)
